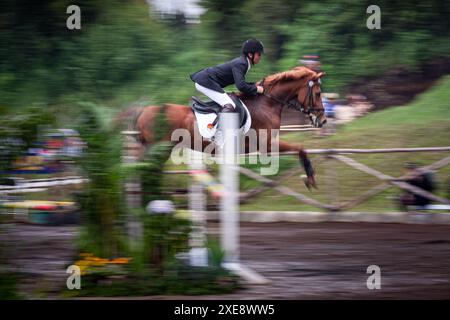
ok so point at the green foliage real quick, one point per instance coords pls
(233, 22)
(45, 60)
(101, 200)
(151, 174)
(8, 286)
(178, 280)
(409, 35)
(216, 253)
(164, 236)
(20, 131)
(123, 53)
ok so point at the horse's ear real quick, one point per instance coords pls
(319, 75)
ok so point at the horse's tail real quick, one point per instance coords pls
(128, 118)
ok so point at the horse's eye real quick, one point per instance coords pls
(318, 94)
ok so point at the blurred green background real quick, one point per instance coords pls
(126, 51)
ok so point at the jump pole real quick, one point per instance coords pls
(132, 187)
(198, 255)
(229, 204)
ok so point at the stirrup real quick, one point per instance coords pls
(228, 108)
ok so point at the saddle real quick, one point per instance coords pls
(208, 107)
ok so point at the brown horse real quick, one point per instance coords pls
(297, 88)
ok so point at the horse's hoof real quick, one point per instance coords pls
(307, 185)
(310, 182)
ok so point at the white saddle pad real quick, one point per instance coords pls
(207, 132)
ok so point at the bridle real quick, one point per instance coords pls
(297, 105)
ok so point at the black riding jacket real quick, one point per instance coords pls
(228, 73)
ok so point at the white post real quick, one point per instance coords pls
(132, 188)
(229, 226)
(229, 216)
(197, 206)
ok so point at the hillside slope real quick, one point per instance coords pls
(423, 123)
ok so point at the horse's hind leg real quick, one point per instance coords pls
(303, 157)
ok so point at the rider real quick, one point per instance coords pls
(210, 81)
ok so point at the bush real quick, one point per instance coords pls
(102, 198)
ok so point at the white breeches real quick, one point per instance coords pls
(220, 98)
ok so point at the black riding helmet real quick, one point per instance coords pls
(252, 46)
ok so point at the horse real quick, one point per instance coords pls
(297, 88)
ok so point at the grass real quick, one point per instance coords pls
(423, 123)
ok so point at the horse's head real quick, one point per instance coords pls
(301, 86)
(310, 99)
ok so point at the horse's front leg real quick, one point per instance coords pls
(303, 157)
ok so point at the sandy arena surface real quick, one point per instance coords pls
(302, 260)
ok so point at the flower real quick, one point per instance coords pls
(120, 261)
(90, 261)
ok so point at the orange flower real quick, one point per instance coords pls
(120, 261)
(85, 254)
(82, 263)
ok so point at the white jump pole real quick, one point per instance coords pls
(229, 217)
(198, 255)
(228, 176)
(132, 188)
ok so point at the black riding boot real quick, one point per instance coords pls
(228, 108)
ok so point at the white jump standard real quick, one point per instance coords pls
(229, 218)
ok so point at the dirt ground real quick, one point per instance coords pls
(302, 260)
(330, 260)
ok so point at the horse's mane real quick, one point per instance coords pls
(292, 74)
